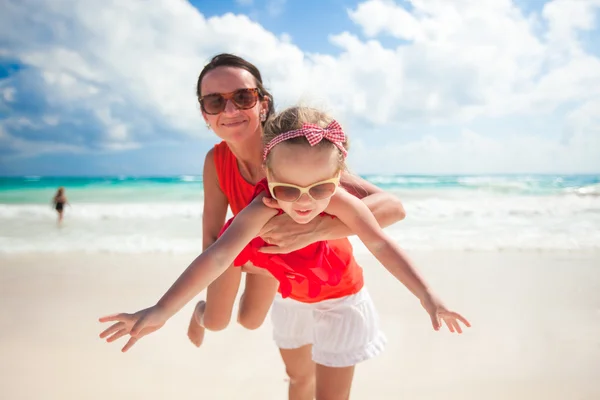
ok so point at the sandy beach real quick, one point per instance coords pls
(535, 334)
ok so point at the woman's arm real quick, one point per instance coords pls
(285, 235)
(386, 207)
(215, 203)
(209, 265)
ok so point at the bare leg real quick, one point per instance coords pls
(334, 383)
(215, 313)
(60, 218)
(300, 368)
(256, 300)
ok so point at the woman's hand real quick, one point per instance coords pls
(253, 269)
(284, 235)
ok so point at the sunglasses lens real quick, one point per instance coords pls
(322, 191)
(213, 103)
(286, 193)
(245, 98)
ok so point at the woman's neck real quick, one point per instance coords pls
(249, 158)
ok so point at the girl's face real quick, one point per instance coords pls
(232, 124)
(302, 165)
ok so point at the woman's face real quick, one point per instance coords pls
(233, 124)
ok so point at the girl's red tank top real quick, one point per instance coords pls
(349, 276)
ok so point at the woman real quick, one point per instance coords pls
(235, 105)
(60, 201)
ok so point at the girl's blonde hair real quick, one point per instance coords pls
(293, 118)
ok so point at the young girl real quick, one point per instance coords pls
(322, 310)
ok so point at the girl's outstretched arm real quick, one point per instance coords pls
(357, 216)
(207, 267)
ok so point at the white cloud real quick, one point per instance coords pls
(565, 18)
(378, 17)
(133, 66)
(29, 148)
(474, 152)
(110, 58)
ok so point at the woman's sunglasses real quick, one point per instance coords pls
(291, 193)
(243, 99)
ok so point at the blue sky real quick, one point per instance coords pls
(469, 86)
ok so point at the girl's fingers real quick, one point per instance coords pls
(456, 325)
(435, 321)
(449, 325)
(113, 328)
(139, 326)
(129, 344)
(463, 320)
(113, 317)
(454, 315)
(117, 335)
(451, 319)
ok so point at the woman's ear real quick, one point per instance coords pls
(264, 104)
(205, 119)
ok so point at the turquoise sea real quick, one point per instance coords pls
(127, 214)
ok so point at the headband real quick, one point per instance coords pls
(314, 134)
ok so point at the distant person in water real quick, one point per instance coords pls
(60, 201)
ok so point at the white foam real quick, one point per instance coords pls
(443, 219)
(590, 190)
(99, 211)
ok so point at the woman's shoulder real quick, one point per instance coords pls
(217, 151)
(220, 150)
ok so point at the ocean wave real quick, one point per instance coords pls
(482, 207)
(409, 239)
(117, 244)
(136, 189)
(190, 178)
(589, 190)
(404, 180)
(430, 208)
(500, 184)
(105, 211)
(165, 215)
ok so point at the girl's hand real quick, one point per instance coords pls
(137, 325)
(437, 311)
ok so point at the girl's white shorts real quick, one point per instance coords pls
(343, 331)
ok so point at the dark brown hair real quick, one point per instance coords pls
(293, 118)
(230, 60)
